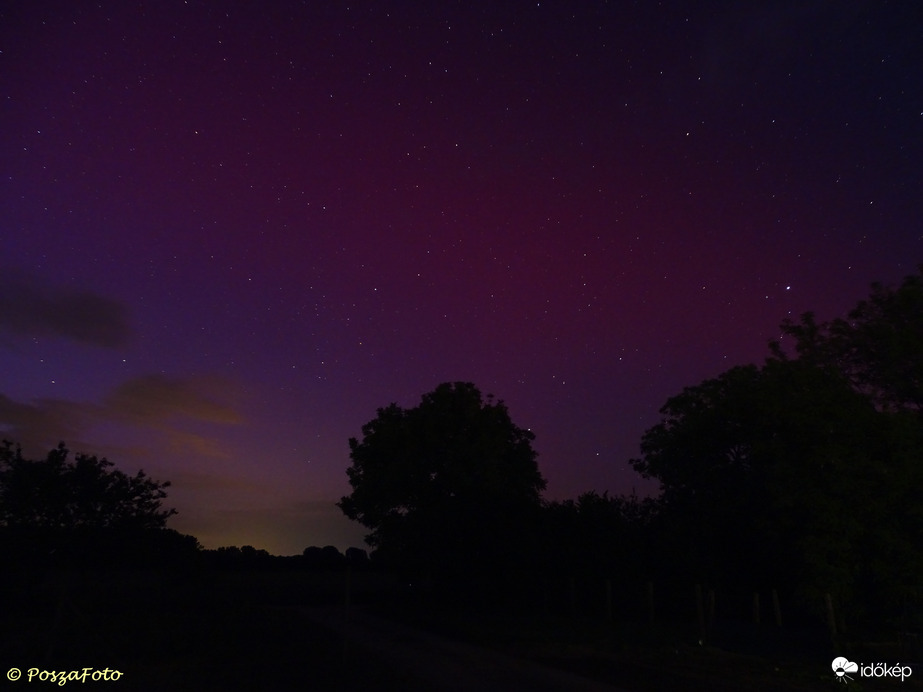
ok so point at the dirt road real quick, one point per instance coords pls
(430, 662)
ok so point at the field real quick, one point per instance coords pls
(287, 630)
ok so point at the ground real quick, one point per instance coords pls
(296, 630)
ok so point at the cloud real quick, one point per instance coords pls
(152, 399)
(32, 309)
(183, 442)
(40, 425)
(171, 407)
(199, 482)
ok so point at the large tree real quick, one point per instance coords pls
(804, 472)
(83, 511)
(451, 482)
(756, 468)
(878, 347)
(86, 492)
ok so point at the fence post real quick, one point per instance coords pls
(650, 602)
(831, 616)
(776, 608)
(710, 619)
(756, 607)
(347, 598)
(700, 612)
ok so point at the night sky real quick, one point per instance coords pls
(231, 231)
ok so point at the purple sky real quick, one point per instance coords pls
(231, 231)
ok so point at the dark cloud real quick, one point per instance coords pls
(31, 309)
(213, 483)
(163, 405)
(40, 425)
(151, 399)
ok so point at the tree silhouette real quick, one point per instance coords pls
(57, 511)
(878, 347)
(451, 482)
(594, 534)
(757, 469)
(55, 493)
(804, 472)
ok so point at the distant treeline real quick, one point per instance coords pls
(314, 557)
(85, 547)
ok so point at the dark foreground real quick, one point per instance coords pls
(296, 631)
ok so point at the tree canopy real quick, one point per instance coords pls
(86, 492)
(878, 347)
(804, 472)
(450, 479)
